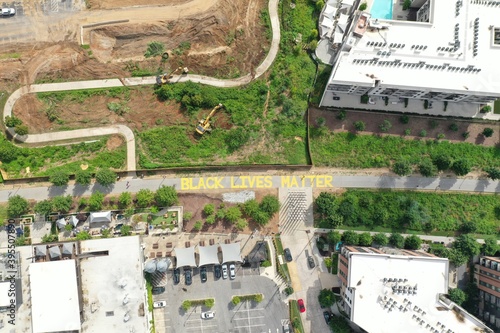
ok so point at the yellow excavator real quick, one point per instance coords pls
(165, 78)
(204, 125)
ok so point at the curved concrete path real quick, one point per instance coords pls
(123, 130)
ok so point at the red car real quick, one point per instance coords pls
(302, 307)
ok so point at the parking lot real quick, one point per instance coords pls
(246, 317)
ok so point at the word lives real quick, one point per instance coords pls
(258, 182)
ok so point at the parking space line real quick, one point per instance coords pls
(247, 318)
(249, 326)
(248, 310)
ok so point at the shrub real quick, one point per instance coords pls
(350, 237)
(233, 214)
(241, 224)
(359, 125)
(427, 168)
(413, 242)
(209, 303)
(397, 240)
(320, 122)
(453, 127)
(210, 219)
(341, 115)
(186, 305)
(423, 133)
(457, 295)
(486, 109)
(461, 167)
(21, 129)
(493, 173)
(250, 207)
(83, 177)
(61, 203)
(465, 135)
(407, 131)
(488, 132)
(145, 197)
(442, 162)
(125, 199)
(59, 178)
(326, 298)
(365, 99)
(258, 298)
(198, 225)
(365, 239)
(440, 136)
(236, 138)
(265, 263)
(385, 126)
(154, 49)
(12, 121)
(221, 214)
(404, 119)
(166, 196)
(236, 300)
(270, 205)
(105, 177)
(380, 239)
(96, 200)
(43, 207)
(402, 167)
(187, 216)
(363, 6)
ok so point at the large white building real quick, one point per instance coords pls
(387, 293)
(449, 54)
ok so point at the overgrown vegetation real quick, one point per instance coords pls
(417, 211)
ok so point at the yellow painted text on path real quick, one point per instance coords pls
(246, 182)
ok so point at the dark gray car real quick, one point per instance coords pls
(288, 254)
(188, 274)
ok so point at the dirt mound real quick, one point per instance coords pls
(228, 41)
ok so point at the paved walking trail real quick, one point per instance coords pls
(126, 132)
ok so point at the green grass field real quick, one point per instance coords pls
(371, 151)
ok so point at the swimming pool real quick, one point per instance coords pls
(382, 9)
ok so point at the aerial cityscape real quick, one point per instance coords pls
(274, 166)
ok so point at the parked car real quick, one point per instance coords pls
(310, 262)
(302, 307)
(328, 316)
(8, 11)
(288, 255)
(188, 275)
(177, 275)
(158, 290)
(160, 304)
(232, 272)
(224, 271)
(203, 274)
(217, 271)
(207, 315)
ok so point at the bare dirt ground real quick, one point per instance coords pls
(112, 4)
(194, 203)
(416, 124)
(144, 111)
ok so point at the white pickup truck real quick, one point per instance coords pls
(8, 11)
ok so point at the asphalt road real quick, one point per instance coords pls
(253, 182)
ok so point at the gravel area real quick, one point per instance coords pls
(238, 197)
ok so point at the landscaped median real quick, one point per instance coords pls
(206, 302)
(257, 298)
(281, 267)
(295, 318)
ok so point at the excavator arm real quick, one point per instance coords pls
(204, 125)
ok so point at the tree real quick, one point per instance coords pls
(385, 126)
(490, 246)
(241, 224)
(145, 197)
(236, 300)
(17, 206)
(236, 138)
(83, 177)
(442, 162)
(260, 217)
(257, 298)
(43, 207)
(198, 225)
(457, 295)
(402, 167)
(413, 242)
(21, 129)
(350, 237)
(105, 177)
(468, 227)
(461, 167)
(154, 49)
(467, 245)
(365, 239)
(426, 168)
(125, 199)
(187, 216)
(233, 214)
(325, 204)
(12, 121)
(95, 201)
(363, 6)
(59, 178)
(380, 239)
(326, 298)
(416, 215)
(209, 303)
(210, 219)
(250, 207)
(61, 203)
(487, 132)
(334, 237)
(359, 125)
(126, 230)
(493, 173)
(270, 204)
(166, 196)
(209, 209)
(397, 240)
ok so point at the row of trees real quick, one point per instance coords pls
(412, 242)
(104, 177)
(165, 196)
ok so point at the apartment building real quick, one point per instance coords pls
(487, 278)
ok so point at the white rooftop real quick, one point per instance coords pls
(113, 285)
(54, 296)
(366, 275)
(439, 33)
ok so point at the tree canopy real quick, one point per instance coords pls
(96, 201)
(413, 242)
(17, 206)
(326, 298)
(397, 240)
(145, 197)
(457, 295)
(166, 196)
(83, 177)
(61, 203)
(105, 177)
(350, 237)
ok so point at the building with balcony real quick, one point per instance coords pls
(487, 278)
(402, 292)
(447, 56)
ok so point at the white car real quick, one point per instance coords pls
(8, 11)
(232, 272)
(224, 271)
(160, 304)
(207, 315)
